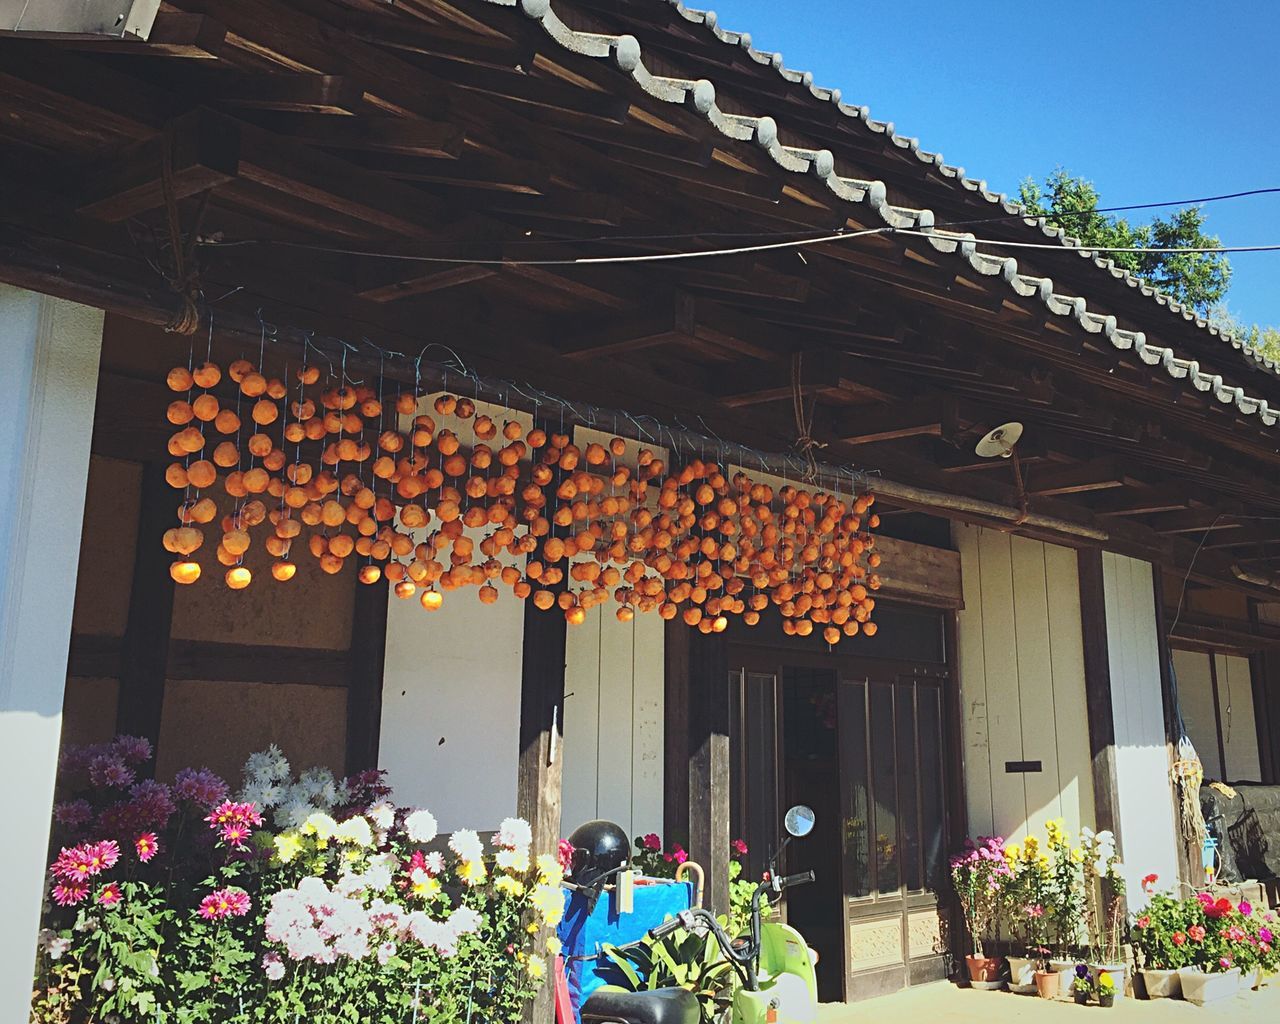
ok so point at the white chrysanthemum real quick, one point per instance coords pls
(355, 831)
(514, 834)
(382, 814)
(466, 844)
(421, 827)
(320, 825)
(378, 874)
(314, 780)
(294, 813)
(512, 860)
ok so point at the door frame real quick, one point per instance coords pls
(754, 655)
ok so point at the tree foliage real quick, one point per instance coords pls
(1265, 339)
(1198, 279)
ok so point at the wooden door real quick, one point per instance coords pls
(894, 832)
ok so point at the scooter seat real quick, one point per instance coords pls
(660, 1006)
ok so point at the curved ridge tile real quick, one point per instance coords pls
(625, 52)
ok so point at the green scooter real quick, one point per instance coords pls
(772, 960)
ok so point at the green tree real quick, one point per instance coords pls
(1265, 339)
(1198, 279)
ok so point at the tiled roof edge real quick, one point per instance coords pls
(700, 96)
(743, 40)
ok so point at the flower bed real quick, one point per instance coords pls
(296, 898)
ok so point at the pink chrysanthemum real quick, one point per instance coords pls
(77, 864)
(68, 894)
(235, 834)
(132, 749)
(109, 895)
(237, 813)
(104, 855)
(229, 902)
(147, 845)
(200, 786)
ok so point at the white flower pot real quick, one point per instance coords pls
(1250, 981)
(1066, 977)
(1117, 972)
(1022, 974)
(1201, 988)
(1162, 984)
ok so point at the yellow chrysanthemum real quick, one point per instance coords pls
(554, 946)
(320, 825)
(549, 902)
(513, 860)
(531, 928)
(426, 887)
(549, 870)
(509, 885)
(354, 831)
(288, 846)
(537, 967)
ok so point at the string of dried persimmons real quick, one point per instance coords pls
(512, 504)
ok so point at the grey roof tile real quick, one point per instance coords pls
(700, 95)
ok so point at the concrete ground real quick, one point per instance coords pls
(945, 1003)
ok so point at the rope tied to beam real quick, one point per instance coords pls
(805, 444)
(184, 281)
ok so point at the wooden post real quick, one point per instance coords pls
(675, 769)
(367, 660)
(538, 785)
(1186, 865)
(1264, 672)
(144, 652)
(708, 775)
(1097, 687)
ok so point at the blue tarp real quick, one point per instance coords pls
(583, 934)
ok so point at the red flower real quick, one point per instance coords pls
(1219, 909)
(1179, 938)
(1196, 932)
(651, 842)
(739, 847)
(147, 846)
(1149, 881)
(1144, 921)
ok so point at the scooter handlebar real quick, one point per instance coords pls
(801, 879)
(682, 920)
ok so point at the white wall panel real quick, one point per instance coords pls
(1195, 696)
(1021, 667)
(1239, 727)
(1146, 822)
(613, 712)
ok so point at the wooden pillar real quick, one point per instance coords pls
(675, 768)
(702, 660)
(1097, 688)
(364, 677)
(144, 652)
(49, 352)
(538, 784)
(1187, 866)
(1264, 672)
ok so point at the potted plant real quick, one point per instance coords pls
(1212, 973)
(1082, 984)
(1265, 927)
(1160, 941)
(1022, 901)
(979, 874)
(1107, 991)
(1103, 892)
(1063, 902)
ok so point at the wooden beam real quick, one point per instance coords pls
(401, 136)
(204, 152)
(366, 664)
(1097, 685)
(1140, 501)
(1196, 520)
(870, 425)
(1265, 676)
(175, 34)
(331, 95)
(256, 663)
(1076, 478)
(144, 649)
(415, 279)
(1251, 536)
(1172, 732)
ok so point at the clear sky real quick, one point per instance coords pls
(1150, 100)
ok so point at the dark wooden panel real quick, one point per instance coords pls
(1097, 685)
(709, 776)
(256, 663)
(367, 662)
(675, 768)
(144, 649)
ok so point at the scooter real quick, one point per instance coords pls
(772, 960)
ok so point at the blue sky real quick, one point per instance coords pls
(1151, 101)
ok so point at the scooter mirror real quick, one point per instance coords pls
(799, 820)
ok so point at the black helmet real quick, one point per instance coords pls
(600, 848)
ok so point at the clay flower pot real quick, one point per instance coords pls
(1047, 984)
(984, 971)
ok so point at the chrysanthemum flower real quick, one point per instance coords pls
(108, 771)
(420, 826)
(73, 813)
(228, 902)
(68, 894)
(109, 895)
(200, 786)
(132, 749)
(147, 845)
(273, 966)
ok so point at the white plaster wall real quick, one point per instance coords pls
(450, 728)
(1239, 727)
(49, 351)
(613, 711)
(1021, 668)
(1195, 695)
(1148, 838)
